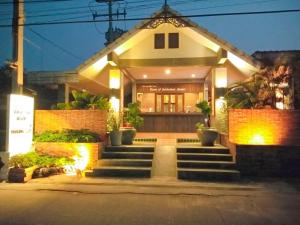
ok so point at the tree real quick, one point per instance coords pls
(260, 90)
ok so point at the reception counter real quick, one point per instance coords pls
(170, 122)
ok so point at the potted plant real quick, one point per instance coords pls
(113, 126)
(132, 121)
(206, 134)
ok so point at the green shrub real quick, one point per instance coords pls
(68, 135)
(84, 100)
(33, 159)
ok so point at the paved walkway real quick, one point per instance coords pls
(164, 159)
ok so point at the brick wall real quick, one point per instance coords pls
(70, 150)
(265, 160)
(264, 127)
(93, 120)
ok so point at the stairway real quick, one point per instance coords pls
(195, 162)
(125, 161)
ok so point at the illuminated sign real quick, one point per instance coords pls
(20, 124)
(169, 88)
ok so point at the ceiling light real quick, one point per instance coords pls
(167, 71)
(193, 75)
(145, 76)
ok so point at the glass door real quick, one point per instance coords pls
(169, 102)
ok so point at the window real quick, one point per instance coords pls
(173, 40)
(159, 41)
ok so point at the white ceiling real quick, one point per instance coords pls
(175, 72)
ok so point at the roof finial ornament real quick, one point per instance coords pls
(165, 9)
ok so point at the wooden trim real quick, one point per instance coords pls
(199, 61)
(173, 81)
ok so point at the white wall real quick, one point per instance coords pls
(188, 47)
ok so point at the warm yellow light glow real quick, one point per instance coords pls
(145, 76)
(82, 158)
(221, 77)
(193, 75)
(238, 62)
(112, 63)
(100, 64)
(167, 71)
(220, 103)
(257, 139)
(114, 79)
(222, 60)
(115, 103)
(20, 127)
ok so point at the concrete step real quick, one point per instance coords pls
(142, 172)
(208, 174)
(127, 155)
(129, 148)
(199, 149)
(125, 162)
(206, 164)
(204, 156)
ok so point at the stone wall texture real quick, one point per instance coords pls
(264, 127)
(93, 120)
(271, 161)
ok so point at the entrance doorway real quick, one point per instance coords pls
(169, 102)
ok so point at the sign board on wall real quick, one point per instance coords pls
(169, 88)
(20, 124)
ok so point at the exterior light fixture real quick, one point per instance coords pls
(221, 77)
(112, 59)
(193, 75)
(222, 56)
(145, 76)
(167, 71)
(114, 79)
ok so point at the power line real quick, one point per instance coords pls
(235, 4)
(149, 18)
(35, 1)
(54, 44)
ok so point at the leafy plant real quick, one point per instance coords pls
(34, 159)
(113, 122)
(68, 135)
(259, 91)
(205, 110)
(200, 126)
(132, 115)
(85, 100)
(99, 102)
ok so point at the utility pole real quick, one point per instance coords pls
(110, 17)
(18, 33)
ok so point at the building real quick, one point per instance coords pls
(168, 63)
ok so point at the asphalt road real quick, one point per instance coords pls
(69, 204)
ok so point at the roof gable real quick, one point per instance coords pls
(168, 15)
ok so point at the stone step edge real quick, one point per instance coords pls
(207, 170)
(122, 168)
(205, 161)
(204, 154)
(127, 160)
(134, 153)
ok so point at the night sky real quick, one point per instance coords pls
(248, 32)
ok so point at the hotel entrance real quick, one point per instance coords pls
(169, 106)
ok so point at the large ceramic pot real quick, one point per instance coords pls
(207, 136)
(128, 134)
(115, 138)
